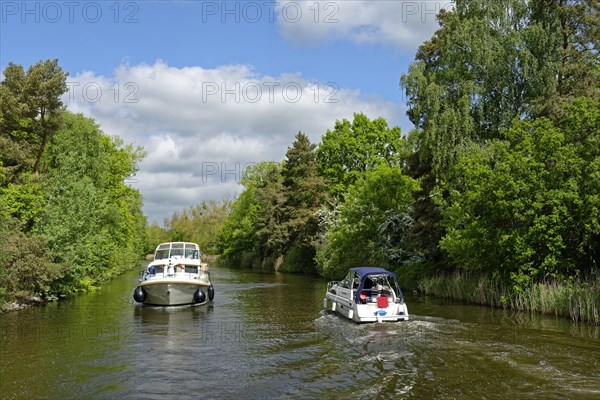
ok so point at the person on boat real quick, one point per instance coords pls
(151, 270)
(363, 297)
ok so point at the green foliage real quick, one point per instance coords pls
(578, 298)
(26, 267)
(198, 224)
(77, 223)
(299, 259)
(16, 155)
(4, 234)
(490, 63)
(93, 221)
(30, 107)
(570, 50)
(23, 202)
(372, 223)
(155, 234)
(525, 206)
(2, 174)
(350, 149)
(284, 210)
(270, 213)
(277, 214)
(304, 192)
(238, 237)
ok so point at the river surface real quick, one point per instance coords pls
(265, 336)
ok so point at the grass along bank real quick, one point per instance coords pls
(578, 299)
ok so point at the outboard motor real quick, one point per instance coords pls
(139, 294)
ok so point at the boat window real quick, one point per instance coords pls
(355, 281)
(177, 245)
(191, 253)
(345, 283)
(176, 252)
(164, 246)
(161, 254)
(383, 283)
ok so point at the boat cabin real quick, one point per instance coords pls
(370, 284)
(177, 250)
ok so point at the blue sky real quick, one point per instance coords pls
(209, 87)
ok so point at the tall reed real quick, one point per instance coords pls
(578, 299)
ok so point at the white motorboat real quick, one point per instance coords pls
(367, 294)
(175, 277)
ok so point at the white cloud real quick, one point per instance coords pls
(401, 24)
(202, 127)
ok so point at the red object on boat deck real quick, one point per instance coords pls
(382, 302)
(363, 296)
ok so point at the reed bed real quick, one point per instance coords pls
(578, 299)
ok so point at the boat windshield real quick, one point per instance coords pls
(191, 253)
(167, 250)
(373, 280)
(161, 254)
(382, 283)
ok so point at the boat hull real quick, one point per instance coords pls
(172, 292)
(369, 312)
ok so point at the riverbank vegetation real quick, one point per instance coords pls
(67, 219)
(494, 197)
(575, 298)
(198, 224)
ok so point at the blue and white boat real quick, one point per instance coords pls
(175, 277)
(367, 294)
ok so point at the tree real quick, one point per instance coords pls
(76, 224)
(277, 214)
(30, 105)
(27, 268)
(491, 63)
(92, 221)
(527, 206)
(571, 51)
(155, 234)
(346, 152)
(271, 212)
(304, 193)
(372, 224)
(198, 224)
(239, 238)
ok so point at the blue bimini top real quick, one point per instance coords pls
(364, 272)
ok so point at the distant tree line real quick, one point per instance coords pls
(197, 224)
(67, 219)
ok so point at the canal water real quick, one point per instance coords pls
(265, 336)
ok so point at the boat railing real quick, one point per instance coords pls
(201, 273)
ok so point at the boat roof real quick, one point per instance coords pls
(177, 245)
(364, 271)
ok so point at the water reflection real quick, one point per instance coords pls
(171, 318)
